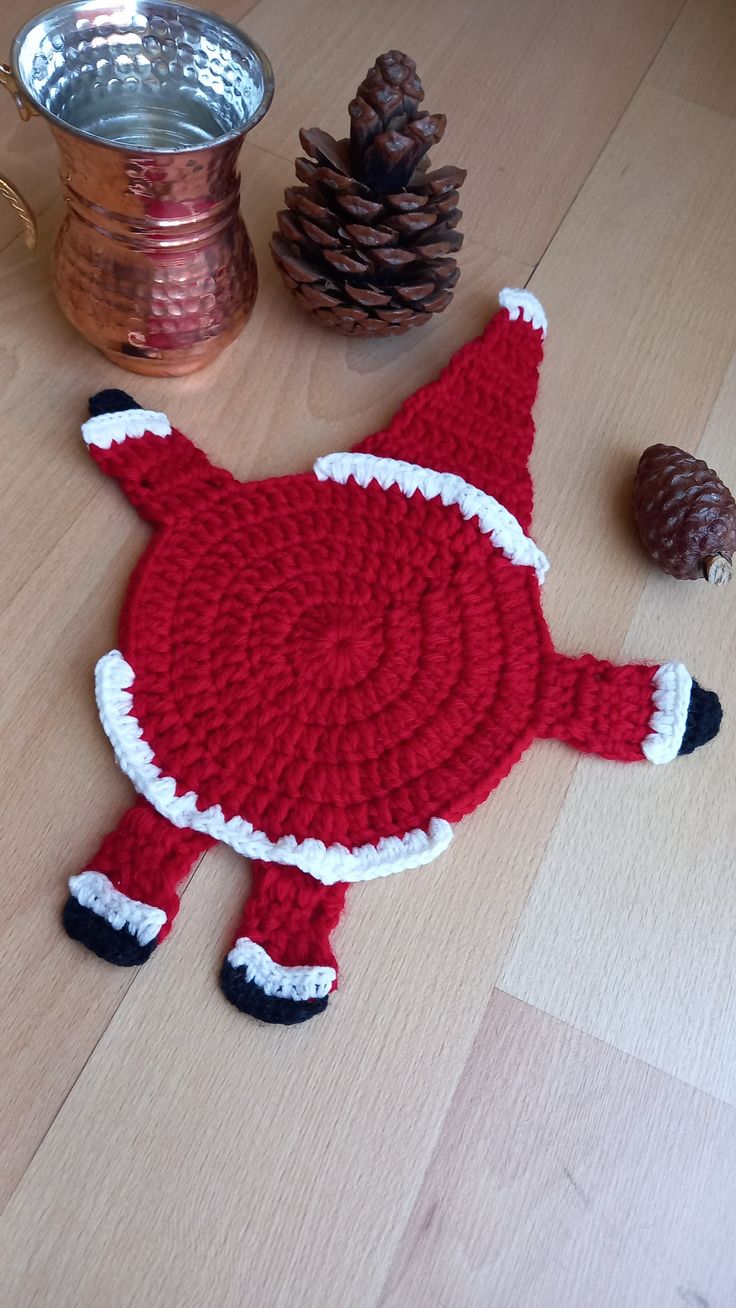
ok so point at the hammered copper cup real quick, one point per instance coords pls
(149, 103)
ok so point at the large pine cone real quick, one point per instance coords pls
(685, 515)
(364, 243)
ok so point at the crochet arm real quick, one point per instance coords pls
(629, 712)
(162, 473)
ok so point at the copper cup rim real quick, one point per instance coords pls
(92, 6)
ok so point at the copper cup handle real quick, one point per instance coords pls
(10, 192)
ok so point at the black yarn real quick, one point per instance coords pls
(250, 999)
(111, 401)
(118, 946)
(703, 719)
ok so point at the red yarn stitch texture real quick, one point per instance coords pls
(342, 662)
(332, 661)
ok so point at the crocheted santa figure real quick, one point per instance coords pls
(327, 671)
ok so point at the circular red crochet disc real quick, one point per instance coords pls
(334, 662)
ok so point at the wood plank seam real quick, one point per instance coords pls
(614, 128)
(625, 1053)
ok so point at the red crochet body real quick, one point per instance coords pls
(332, 661)
(337, 667)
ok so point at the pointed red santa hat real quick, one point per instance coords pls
(476, 419)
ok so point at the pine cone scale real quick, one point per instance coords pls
(344, 263)
(391, 257)
(369, 236)
(365, 295)
(357, 206)
(321, 236)
(406, 201)
(411, 223)
(301, 200)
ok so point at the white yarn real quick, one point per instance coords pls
(95, 891)
(275, 979)
(113, 428)
(493, 519)
(522, 304)
(114, 680)
(671, 698)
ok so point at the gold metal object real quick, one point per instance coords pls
(7, 79)
(10, 192)
(149, 107)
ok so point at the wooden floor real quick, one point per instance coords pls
(554, 1122)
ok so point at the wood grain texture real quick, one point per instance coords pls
(410, 1146)
(570, 1174)
(629, 928)
(547, 86)
(642, 333)
(286, 1161)
(698, 61)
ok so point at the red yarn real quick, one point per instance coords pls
(166, 480)
(347, 663)
(146, 858)
(476, 418)
(332, 661)
(596, 706)
(292, 915)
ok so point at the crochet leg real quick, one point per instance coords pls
(125, 901)
(281, 967)
(629, 712)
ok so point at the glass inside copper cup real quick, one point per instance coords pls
(149, 102)
(150, 73)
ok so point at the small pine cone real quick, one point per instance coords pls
(685, 515)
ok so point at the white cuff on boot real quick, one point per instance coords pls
(95, 891)
(671, 698)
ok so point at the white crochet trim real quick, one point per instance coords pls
(522, 304)
(114, 680)
(672, 688)
(493, 519)
(113, 428)
(275, 979)
(95, 891)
